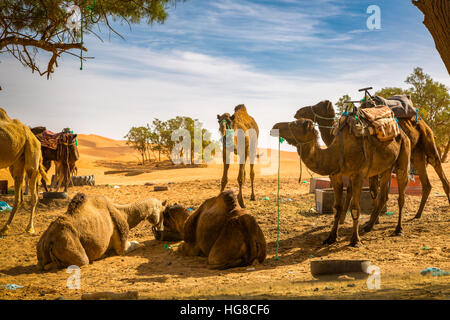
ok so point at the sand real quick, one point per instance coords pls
(157, 273)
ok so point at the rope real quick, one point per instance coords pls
(280, 141)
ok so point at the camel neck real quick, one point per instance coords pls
(319, 160)
(325, 128)
(133, 213)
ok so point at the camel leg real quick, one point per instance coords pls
(252, 179)
(18, 174)
(402, 180)
(437, 165)
(374, 187)
(421, 166)
(356, 182)
(380, 201)
(47, 164)
(33, 181)
(348, 197)
(338, 186)
(241, 182)
(226, 166)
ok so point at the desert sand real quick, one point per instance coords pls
(157, 273)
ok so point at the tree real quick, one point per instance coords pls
(28, 27)
(437, 21)
(391, 91)
(341, 103)
(432, 100)
(138, 138)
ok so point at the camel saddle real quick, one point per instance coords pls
(401, 105)
(50, 139)
(377, 121)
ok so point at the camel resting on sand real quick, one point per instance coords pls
(222, 231)
(91, 226)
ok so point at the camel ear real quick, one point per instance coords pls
(218, 117)
(164, 203)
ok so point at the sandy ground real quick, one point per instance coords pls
(158, 273)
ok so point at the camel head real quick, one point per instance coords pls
(174, 217)
(68, 145)
(296, 132)
(225, 123)
(322, 109)
(154, 212)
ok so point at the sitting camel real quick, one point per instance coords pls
(91, 226)
(21, 153)
(349, 159)
(240, 126)
(423, 146)
(220, 230)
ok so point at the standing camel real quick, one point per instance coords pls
(67, 155)
(66, 151)
(423, 146)
(21, 153)
(239, 135)
(384, 157)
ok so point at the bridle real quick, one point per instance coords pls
(299, 147)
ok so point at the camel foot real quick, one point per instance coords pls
(368, 227)
(241, 203)
(330, 240)
(131, 246)
(253, 198)
(398, 232)
(30, 230)
(4, 231)
(356, 244)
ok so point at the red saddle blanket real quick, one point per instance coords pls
(50, 139)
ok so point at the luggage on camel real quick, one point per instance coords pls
(401, 105)
(377, 121)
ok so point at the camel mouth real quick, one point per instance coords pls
(163, 235)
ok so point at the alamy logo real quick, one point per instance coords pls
(374, 21)
(74, 20)
(374, 280)
(74, 280)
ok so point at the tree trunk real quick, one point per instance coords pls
(437, 21)
(445, 154)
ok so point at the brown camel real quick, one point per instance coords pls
(239, 135)
(91, 226)
(21, 153)
(384, 156)
(423, 146)
(323, 114)
(67, 155)
(222, 231)
(174, 219)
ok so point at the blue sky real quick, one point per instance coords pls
(209, 56)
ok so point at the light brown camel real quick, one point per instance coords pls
(240, 134)
(423, 146)
(222, 231)
(324, 115)
(384, 156)
(91, 226)
(21, 153)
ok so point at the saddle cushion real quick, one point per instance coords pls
(50, 139)
(401, 105)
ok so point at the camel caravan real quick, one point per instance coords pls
(370, 142)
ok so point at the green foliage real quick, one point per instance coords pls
(341, 105)
(433, 101)
(29, 25)
(158, 136)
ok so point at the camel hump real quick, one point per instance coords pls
(78, 200)
(240, 108)
(3, 115)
